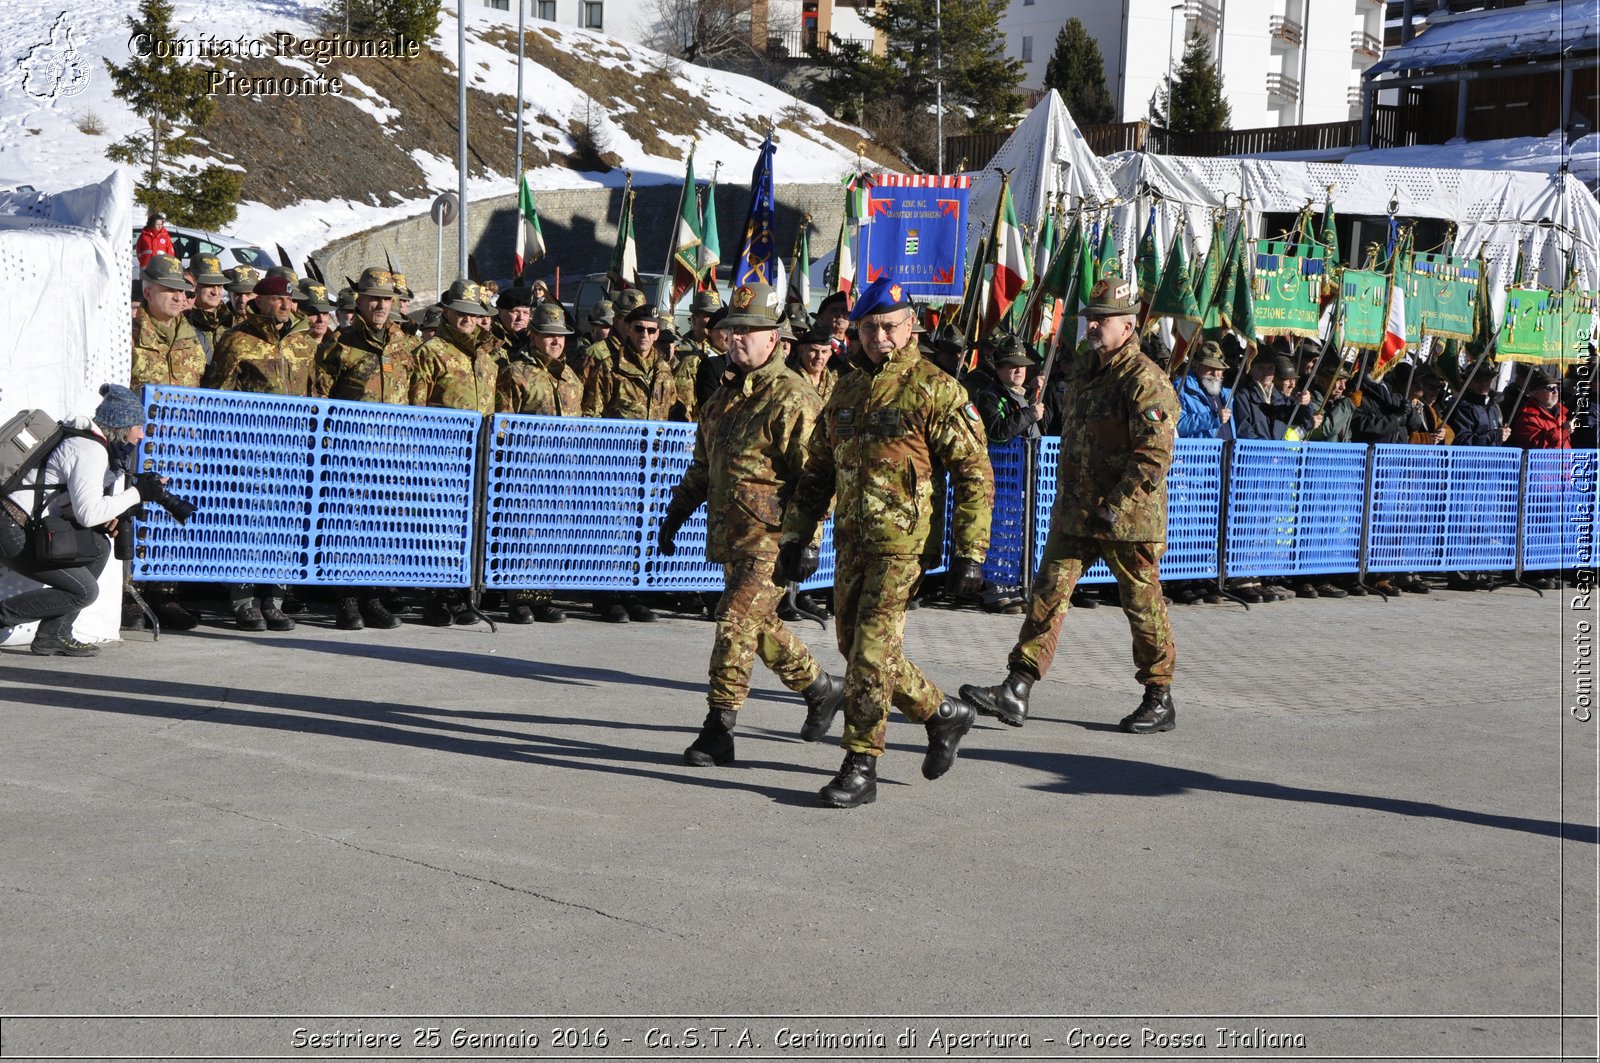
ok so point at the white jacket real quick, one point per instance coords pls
(84, 467)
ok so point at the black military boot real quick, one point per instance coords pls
(714, 743)
(856, 783)
(349, 618)
(823, 698)
(377, 615)
(946, 728)
(1007, 702)
(1155, 713)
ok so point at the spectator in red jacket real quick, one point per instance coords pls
(154, 239)
(1542, 424)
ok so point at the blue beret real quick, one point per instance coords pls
(882, 296)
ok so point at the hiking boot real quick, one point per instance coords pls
(1155, 713)
(615, 613)
(1082, 600)
(823, 698)
(520, 613)
(1007, 702)
(461, 613)
(946, 728)
(249, 617)
(62, 646)
(275, 619)
(349, 615)
(855, 784)
(1306, 590)
(1328, 590)
(545, 613)
(639, 612)
(714, 743)
(171, 614)
(377, 615)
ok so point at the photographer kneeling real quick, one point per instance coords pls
(68, 553)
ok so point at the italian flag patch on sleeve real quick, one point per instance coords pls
(971, 411)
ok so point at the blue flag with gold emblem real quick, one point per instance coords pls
(758, 256)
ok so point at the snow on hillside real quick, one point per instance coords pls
(55, 84)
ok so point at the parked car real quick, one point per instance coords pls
(591, 290)
(230, 250)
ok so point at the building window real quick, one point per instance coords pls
(547, 10)
(498, 5)
(593, 14)
(1027, 3)
(1027, 49)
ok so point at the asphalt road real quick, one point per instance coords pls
(1372, 834)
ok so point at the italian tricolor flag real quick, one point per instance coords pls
(1010, 258)
(530, 238)
(1394, 330)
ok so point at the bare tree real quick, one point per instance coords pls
(707, 32)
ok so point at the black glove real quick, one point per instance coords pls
(1102, 519)
(668, 531)
(149, 486)
(966, 576)
(797, 562)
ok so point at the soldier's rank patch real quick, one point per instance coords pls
(1155, 414)
(971, 411)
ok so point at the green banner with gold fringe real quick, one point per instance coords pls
(1366, 307)
(1288, 283)
(1443, 296)
(1525, 333)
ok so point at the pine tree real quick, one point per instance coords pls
(168, 95)
(1077, 70)
(892, 95)
(1193, 102)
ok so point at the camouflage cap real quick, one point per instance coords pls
(466, 297)
(630, 300)
(603, 313)
(549, 320)
(346, 300)
(1112, 297)
(316, 299)
(244, 279)
(207, 270)
(706, 302)
(166, 272)
(754, 306)
(377, 282)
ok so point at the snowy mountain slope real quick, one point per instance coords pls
(320, 167)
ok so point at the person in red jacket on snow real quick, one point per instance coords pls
(1542, 422)
(154, 239)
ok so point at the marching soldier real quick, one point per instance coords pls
(881, 434)
(1117, 442)
(750, 448)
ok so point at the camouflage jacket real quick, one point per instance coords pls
(258, 356)
(453, 371)
(631, 388)
(227, 319)
(588, 357)
(825, 387)
(511, 347)
(876, 445)
(321, 378)
(683, 377)
(208, 326)
(749, 451)
(166, 354)
(539, 385)
(1117, 437)
(493, 345)
(371, 366)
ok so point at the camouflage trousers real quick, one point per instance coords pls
(748, 627)
(1137, 569)
(869, 604)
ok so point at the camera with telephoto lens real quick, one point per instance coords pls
(180, 508)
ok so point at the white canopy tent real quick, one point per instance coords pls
(65, 263)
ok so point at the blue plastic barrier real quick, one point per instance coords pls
(1559, 513)
(1194, 495)
(1443, 508)
(308, 491)
(574, 503)
(1008, 531)
(1295, 508)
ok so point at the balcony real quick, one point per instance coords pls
(1206, 17)
(1282, 88)
(1364, 43)
(1286, 29)
(800, 45)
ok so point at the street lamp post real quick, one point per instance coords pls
(938, 78)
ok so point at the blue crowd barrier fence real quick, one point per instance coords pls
(1559, 522)
(574, 504)
(1439, 509)
(316, 491)
(308, 491)
(1295, 508)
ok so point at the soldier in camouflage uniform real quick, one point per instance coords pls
(813, 349)
(374, 357)
(344, 308)
(317, 309)
(749, 451)
(879, 437)
(210, 296)
(637, 384)
(1117, 440)
(606, 351)
(166, 349)
(602, 318)
(693, 350)
(540, 382)
(513, 311)
(241, 288)
(455, 371)
(270, 352)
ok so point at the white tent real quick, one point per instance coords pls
(1047, 156)
(65, 263)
